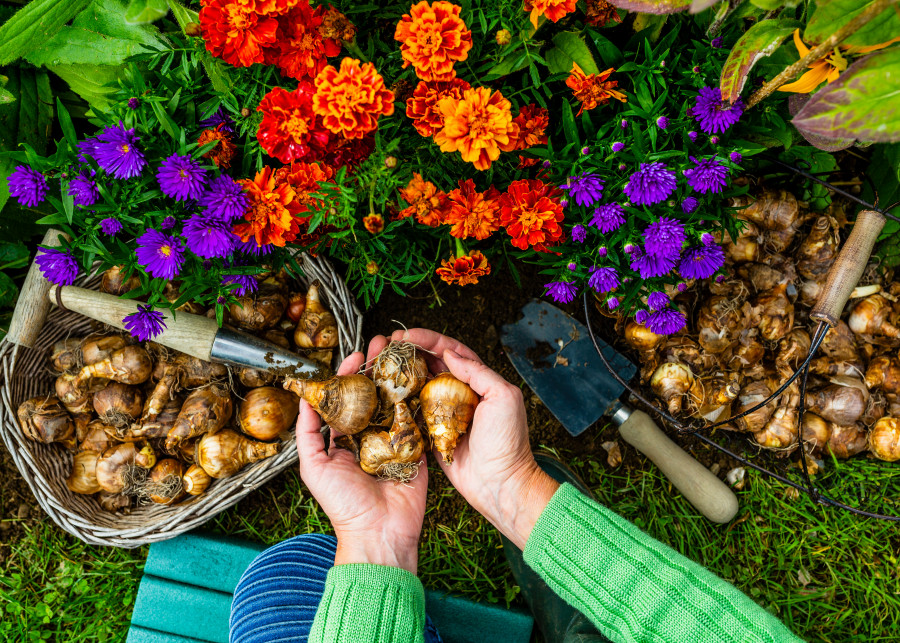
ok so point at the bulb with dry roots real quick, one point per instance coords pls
(261, 310)
(97, 348)
(75, 397)
(393, 454)
(118, 404)
(154, 429)
(227, 452)
(752, 395)
(874, 316)
(164, 486)
(115, 283)
(166, 375)
(773, 313)
(846, 440)
(843, 402)
(816, 432)
(720, 322)
(745, 247)
(641, 338)
(346, 403)
(195, 480)
(99, 437)
(65, 355)
(448, 406)
(884, 373)
(267, 412)
(128, 365)
(206, 410)
(818, 251)
(83, 477)
(123, 467)
(194, 372)
(399, 371)
(711, 397)
(781, 430)
(884, 439)
(44, 419)
(317, 327)
(670, 382)
(114, 502)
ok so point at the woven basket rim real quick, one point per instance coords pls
(45, 467)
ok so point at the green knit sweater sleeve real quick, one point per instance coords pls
(633, 587)
(370, 604)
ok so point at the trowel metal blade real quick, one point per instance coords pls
(553, 353)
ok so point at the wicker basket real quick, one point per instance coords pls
(24, 374)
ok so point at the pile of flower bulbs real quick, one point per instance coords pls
(377, 416)
(749, 330)
(149, 424)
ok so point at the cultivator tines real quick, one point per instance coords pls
(841, 280)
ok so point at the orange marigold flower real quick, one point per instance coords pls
(593, 89)
(351, 100)
(305, 179)
(525, 162)
(425, 201)
(479, 126)
(336, 26)
(237, 32)
(273, 210)
(472, 213)
(532, 121)
(374, 223)
(302, 48)
(433, 37)
(599, 13)
(422, 106)
(290, 129)
(531, 213)
(224, 150)
(552, 9)
(464, 270)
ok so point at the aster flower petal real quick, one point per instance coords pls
(714, 114)
(209, 236)
(652, 183)
(116, 151)
(701, 262)
(707, 175)
(243, 284)
(586, 189)
(608, 217)
(181, 178)
(58, 266)
(664, 237)
(666, 322)
(562, 292)
(160, 254)
(27, 186)
(145, 323)
(225, 199)
(603, 279)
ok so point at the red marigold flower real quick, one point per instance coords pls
(305, 179)
(224, 150)
(336, 26)
(464, 270)
(552, 9)
(303, 49)
(479, 126)
(593, 89)
(525, 162)
(425, 201)
(289, 130)
(237, 32)
(472, 213)
(351, 100)
(349, 152)
(532, 121)
(531, 213)
(434, 37)
(599, 13)
(374, 223)
(272, 214)
(422, 107)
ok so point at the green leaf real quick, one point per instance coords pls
(33, 24)
(6, 96)
(767, 5)
(142, 12)
(94, 83)
(13, 255)
(570, 48)
(831, 15)
(183, 15)
(860, 104)
(65, 122)
(8, 290)
(568, 121)
(510, 64)
(758, 42)
(652, 6)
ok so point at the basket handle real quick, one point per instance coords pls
(849, 267)
(32, 306)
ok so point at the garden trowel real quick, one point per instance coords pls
(554, 354)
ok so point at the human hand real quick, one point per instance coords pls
(376, 521)
(493, 466)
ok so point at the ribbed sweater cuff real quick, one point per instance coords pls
(633, 587)
(363, 603)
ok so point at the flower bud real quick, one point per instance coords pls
(372, 268)
(585, 150)
(714, 140)
(192, 29)
(503, 37)
(390, 162)
(245, 112)
(602, 251)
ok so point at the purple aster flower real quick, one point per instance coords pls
(168, 223)
(618, 146)
(209, 236)
(664, 237)
(707, 176)
(27, 186)
(650, 265)
(716, 42)
(604, 279)
(707, 239)
(736, 158)
(250, 247)
(110, 226)
(562, 292)
(160, 254)
(59, 266)
(713, 113)
(693, 136)
(246, 284)
(225, 199)
(579, 233)
(133, 103)
(653, 183)
(700, 262)
(689, 205)
(602, 251)
(612, 303)
(116, 151)
(662, 122)
(86, 149)
(641, 316)
(83, 188)
(563, 202)
(145, 323)
(586, 189)
(623, 124)
(631, 248)
(657, 300)
(681, 286)
(181, 178)
(608, 217)
(220, 117)
(666, 321)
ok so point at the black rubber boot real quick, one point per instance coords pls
(557, 621)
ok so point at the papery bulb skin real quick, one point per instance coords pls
(874, 316)
(114, 282)
(205, 410)
(83, 477)
(267, 412)
(670, 382)
(842, 404)
(816, 432)
(745, 248)
(641, 338)
(771, 210)
(263, 309)
(97, 348)
(781, 430)
(846, 441)
(720, 322)
(128, 365)
(399, 372)
(123, 467)
(255, 378)
(346, 403)
(99, 437)
(883, 374)
(166, 375)
(818, 251)
(118, 404)
(194, 372)
(773, 314)
(393, 454)
(65, 355)
(164, 486)
(155, 429)
(317, 327)
(793, 348)
(296, 306)
(711, 397)
(195, 480)
(884, 439)
(751, 395)
(44, 419)
(114, 502)
(227, 452)
(448, 406)
(75, 397)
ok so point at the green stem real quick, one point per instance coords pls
(354, 49)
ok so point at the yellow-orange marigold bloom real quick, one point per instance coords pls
(593, 89)
(472, 213)
(422, 106)
(552, 9)
(479, 126)
(224, 150)
(433, 38)
(272, 215)
(531, 213)
(374, 223)
(351, 100)
(532, 121)
(305, 179)
(425, 201)
(464, 270)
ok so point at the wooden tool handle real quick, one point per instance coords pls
(697, 483)
(32, 306)
(849, 267)
(191, 334)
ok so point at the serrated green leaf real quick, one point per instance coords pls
(862, 103)
(508, 65)
(652, 6)
(831, 15)
(759, 41)
(34, 24)
(570, 48)
(142, 12)
(94, 83)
